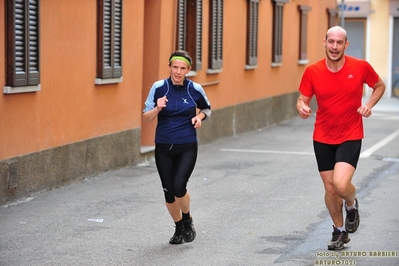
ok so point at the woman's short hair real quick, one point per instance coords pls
(181, 53)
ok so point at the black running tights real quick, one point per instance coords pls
(175, 163)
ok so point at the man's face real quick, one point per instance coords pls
(335, 45)
(178, 70)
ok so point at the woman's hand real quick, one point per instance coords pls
(196, 121)
(161, 103)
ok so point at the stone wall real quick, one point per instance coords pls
(45, 170)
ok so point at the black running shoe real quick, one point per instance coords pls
(338, 239)
(189, 231)
(352, 219)
(177, 238)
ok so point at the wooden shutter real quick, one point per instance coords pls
(189, 30)
(277, 56)
(278, 33)
(216, 35)
(23, 43)
(109, 63)
(198, 36)
(117, 41)
(303, 32)
(252, 28)
(181, 25)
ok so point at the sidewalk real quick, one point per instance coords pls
(385, 104)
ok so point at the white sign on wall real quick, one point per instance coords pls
(356, 9)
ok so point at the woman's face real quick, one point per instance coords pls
(178, 70)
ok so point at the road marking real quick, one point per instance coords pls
(379, 144)
(364, 154)
(266, 151)
(383, 116)
(392, 160)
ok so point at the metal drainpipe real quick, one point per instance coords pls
(342, 14)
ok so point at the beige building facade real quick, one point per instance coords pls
(373, 34)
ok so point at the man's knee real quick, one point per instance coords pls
(344, 190)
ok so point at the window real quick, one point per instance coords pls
(109, 41)
(216, 35)
(252, 32)
(277, 56)
(303, 34)
(22, 44)
(332, 17)
(189, 30)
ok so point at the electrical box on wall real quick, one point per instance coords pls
(10, 171)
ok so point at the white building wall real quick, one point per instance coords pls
(378, 31)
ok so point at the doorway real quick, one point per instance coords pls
(356, 31)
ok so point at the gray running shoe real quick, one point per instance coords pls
(189, 231)
(352, 219)
(338, 239)
(177, 238)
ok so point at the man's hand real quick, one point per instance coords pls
(302, 106)
(364, 110)
(304, 111)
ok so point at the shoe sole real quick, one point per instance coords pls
(334, 247)
(176, 243)
(172, 243)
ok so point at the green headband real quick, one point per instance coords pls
(180, 58)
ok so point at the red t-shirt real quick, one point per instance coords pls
(338, 95)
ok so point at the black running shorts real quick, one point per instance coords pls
(327, 155)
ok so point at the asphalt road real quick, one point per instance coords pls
(257, 199)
